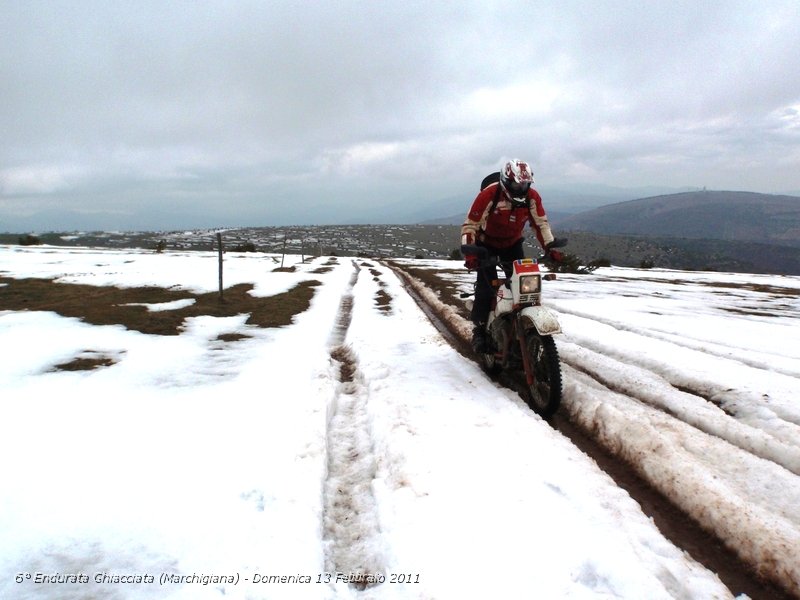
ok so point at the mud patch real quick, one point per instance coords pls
(347, 366)
(750, 312)
(232, 337)
(384, 301)
(88, 360)
(350, 518)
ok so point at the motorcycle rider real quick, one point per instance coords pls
(496, 221)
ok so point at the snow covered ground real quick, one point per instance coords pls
(694, 379)
(355, 443)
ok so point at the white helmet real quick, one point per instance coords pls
(516, 178)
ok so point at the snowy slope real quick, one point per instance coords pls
(356, 441)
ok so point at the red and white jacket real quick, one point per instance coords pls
(502, 226)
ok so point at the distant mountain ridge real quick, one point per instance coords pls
(559, 201)
(713, 215)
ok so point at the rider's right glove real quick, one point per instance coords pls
(471, 262)
(555, 255)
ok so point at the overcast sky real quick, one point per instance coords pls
(272, 111)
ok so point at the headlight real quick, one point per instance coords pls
(530, 284)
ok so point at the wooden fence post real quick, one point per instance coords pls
(219, 249)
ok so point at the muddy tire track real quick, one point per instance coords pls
(680, 528)
(351, 530)
(698, 345)
(687, 406)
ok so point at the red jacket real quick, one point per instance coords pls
(503, 226)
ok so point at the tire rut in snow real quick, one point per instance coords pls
(351, 529)
(698, 345)
(674, 523)
(345, 314)
(651, 389)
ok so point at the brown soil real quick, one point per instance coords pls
(431, 279)
(85, 364)
(111, 305)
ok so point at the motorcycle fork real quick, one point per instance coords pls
(526, 361)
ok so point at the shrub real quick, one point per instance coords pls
(245, 247)
(571, 264)
(600, 262)
(29, 240)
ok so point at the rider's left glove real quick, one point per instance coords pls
(555, 255)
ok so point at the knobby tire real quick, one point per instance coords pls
(545, 392)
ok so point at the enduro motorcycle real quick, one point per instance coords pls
(520, 330)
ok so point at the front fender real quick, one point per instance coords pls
(542, 319)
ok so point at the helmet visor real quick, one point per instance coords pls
(518, 190)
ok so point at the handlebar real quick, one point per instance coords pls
(482, 253)
(485, 261)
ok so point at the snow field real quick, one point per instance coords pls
(193, 455)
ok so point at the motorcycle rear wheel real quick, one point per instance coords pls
(545, 391)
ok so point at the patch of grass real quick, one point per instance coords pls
(278, 310)
(110, 305)
(443, 288)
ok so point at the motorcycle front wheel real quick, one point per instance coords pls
(545, 391)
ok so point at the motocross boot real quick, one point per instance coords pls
(479, 344)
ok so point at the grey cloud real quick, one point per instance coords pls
(251, 100)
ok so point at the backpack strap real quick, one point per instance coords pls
(496, 199)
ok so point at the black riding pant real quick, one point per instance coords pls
(484, 292)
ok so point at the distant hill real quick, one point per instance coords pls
(685, 254)
(712, 215)
(458, 219)
(559, 200)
